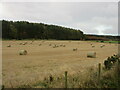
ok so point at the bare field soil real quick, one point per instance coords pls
(43, 60)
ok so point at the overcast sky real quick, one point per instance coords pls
(90, 17)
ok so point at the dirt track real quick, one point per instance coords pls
(44, 60)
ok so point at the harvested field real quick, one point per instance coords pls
(44, 60)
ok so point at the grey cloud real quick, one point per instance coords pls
(84, 16)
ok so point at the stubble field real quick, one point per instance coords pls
(44, 60)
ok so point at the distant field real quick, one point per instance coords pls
(109, 41)
(44, 60)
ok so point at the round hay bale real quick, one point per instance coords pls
(57, 46)
(23, 43)
(64, 45)
(91, 54)
(50, 44)
(74, 49)
(61, 45)
(22, 52)
(8, 45)
(54, 47)
(102, 46)
(93, 46)
(40, 44)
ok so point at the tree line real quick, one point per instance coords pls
(25, 30)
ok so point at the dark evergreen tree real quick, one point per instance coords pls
(25, 30)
